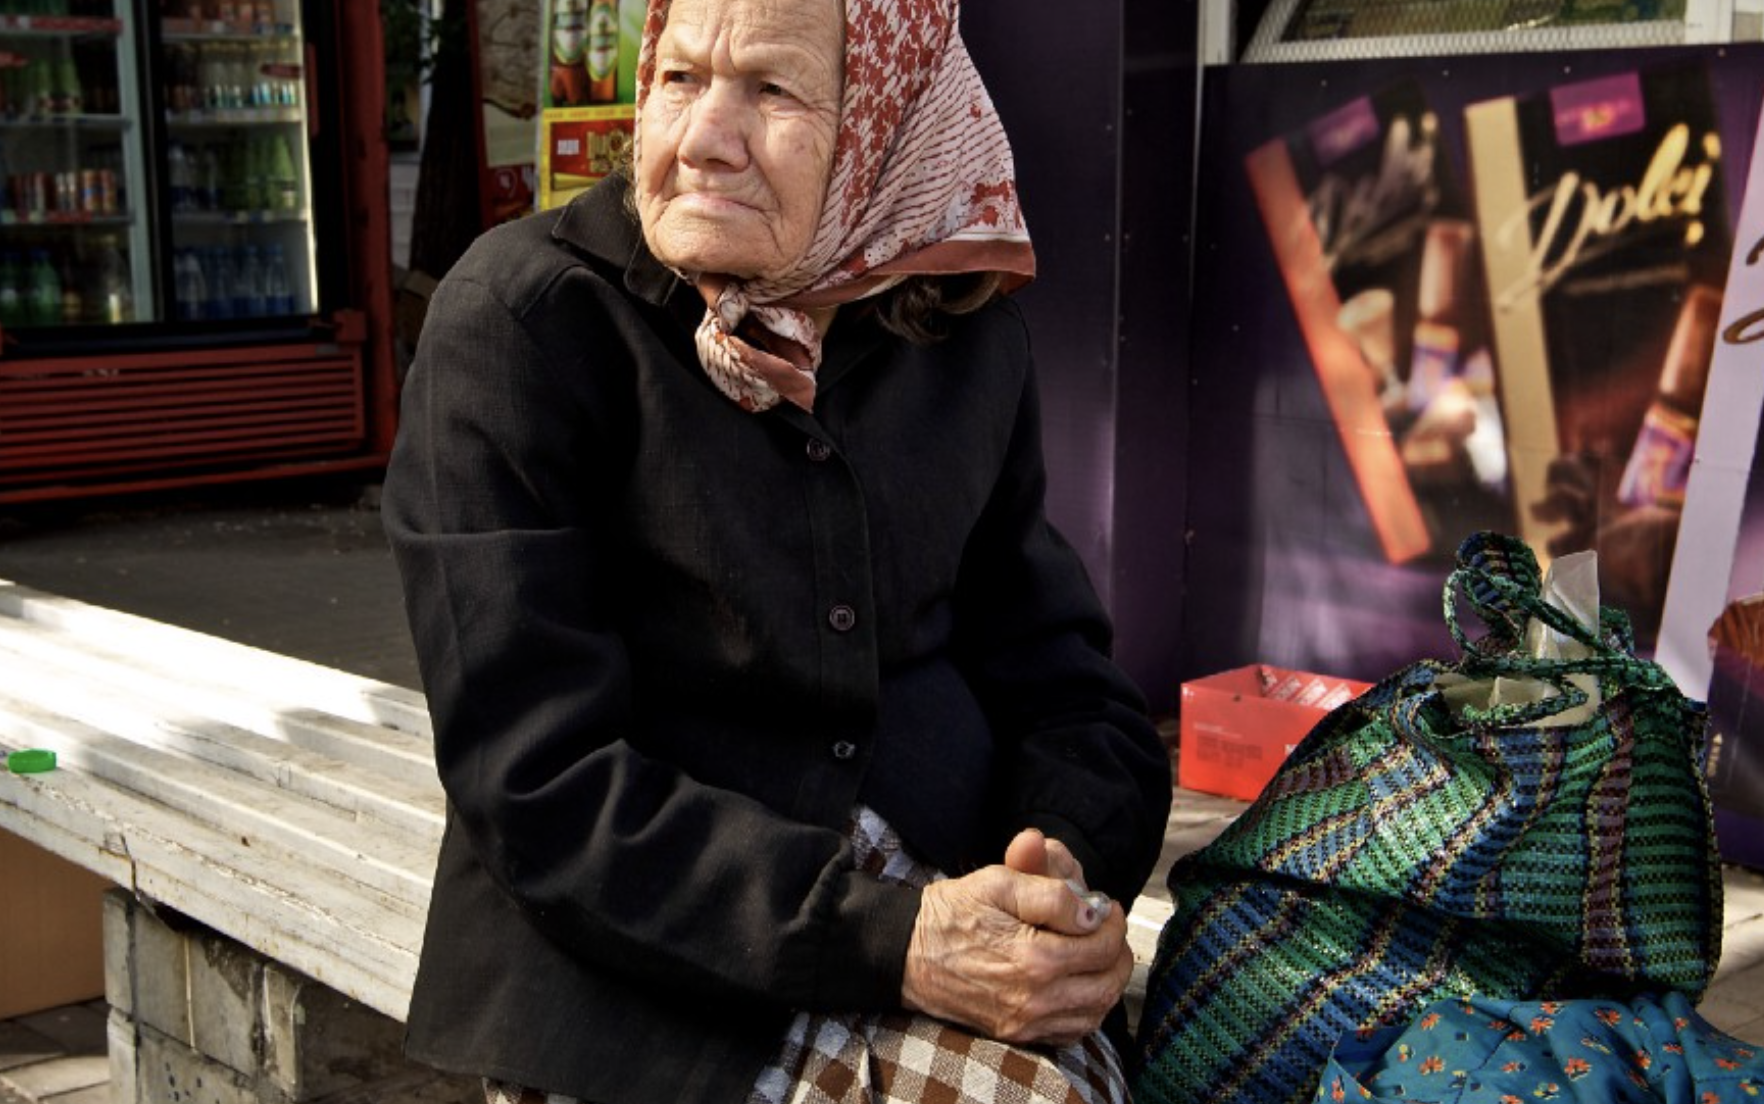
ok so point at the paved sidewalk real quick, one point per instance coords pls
(300, 568)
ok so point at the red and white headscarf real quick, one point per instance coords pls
(922, 183)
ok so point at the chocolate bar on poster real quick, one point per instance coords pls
(1378, 253)
(1606, 245)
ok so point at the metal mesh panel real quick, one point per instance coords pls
(1333, 30)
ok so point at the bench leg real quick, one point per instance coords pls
(197, 1018)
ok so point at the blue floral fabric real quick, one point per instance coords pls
(1485, 1051)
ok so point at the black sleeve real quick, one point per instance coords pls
(1083, 761)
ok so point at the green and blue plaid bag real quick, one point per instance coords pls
(1418, 845)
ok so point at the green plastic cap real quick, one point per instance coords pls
(31, 761)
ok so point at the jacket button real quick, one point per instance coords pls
(818, 450)
(844, 750)
(842, 617)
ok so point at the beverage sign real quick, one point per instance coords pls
(587, 86)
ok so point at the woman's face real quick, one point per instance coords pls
(738, 133)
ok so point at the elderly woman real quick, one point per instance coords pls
(783, 753)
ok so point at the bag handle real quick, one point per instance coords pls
(1499, 574)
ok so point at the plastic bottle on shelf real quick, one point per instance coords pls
(116, 302)
(208, 179)
(250, 77)
(222, 280)
(191, 287)
(278, 299)
(238, 76)
(249, 302)
(73, 304)
(183, 192)
(239, 190)
(229, 189)
(209, 76)
(248, 165)
(40, 76)
(283, 181)
(44, 302)
(288, 62)
(260, 163)
(70, 96)
(263, 80)
(12, 293)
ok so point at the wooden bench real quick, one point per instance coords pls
(290, 807)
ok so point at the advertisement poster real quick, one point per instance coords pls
(505, 41)
(1714, 635)
(1377, 251)
(1605, 227)
(1449, 294)
(586, 92)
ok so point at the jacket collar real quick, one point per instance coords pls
(599, 224)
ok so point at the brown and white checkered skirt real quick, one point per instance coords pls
(903, 1058)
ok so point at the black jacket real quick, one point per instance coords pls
(667, 645)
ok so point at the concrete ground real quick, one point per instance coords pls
(300, 568)
(303, 569)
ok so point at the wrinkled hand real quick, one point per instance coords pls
(1016, 952)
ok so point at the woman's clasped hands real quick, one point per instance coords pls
(1019, 951)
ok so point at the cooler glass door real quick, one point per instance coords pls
(237, 169)
(75, 218)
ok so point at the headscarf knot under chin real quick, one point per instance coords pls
(756, 354)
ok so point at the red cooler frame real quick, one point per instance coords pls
(74, 426)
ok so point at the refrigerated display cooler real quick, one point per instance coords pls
(194, 260)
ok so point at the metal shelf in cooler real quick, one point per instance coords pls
(72, 219)
(59, 26)
(234, 117)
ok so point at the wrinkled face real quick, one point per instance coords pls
(738, 133)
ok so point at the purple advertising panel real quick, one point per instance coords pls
(1441, 295)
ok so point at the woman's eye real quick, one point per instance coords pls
(770, 89)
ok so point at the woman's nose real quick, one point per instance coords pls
(717, 125)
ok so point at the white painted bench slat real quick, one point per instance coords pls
(201, 793)
(289, 806)
(176, 651)
(346, 935)
(193, 687)
(107, 706)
